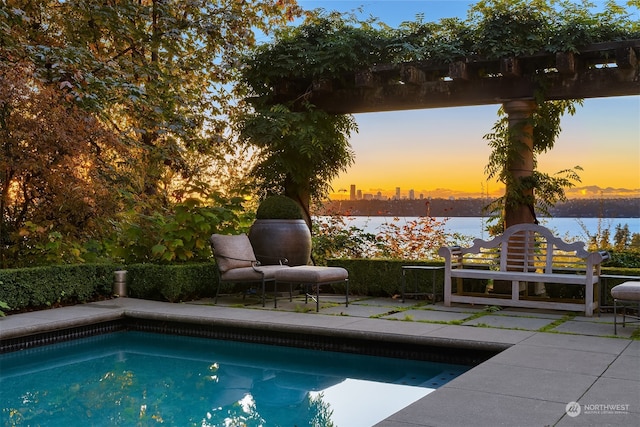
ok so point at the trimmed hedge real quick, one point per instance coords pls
(383, 277)
(173, 283)
(41, 287)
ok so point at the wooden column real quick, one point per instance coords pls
(521, 164)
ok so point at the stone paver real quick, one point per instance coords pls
(556, 359)
(428, 316)
(450, 406)
(510, 322)
(592, 328)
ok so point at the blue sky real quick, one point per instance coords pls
(440, 151)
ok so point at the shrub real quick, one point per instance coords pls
(39, 287)
(383, 277)
(278, 207)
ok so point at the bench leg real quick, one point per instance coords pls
(447, 289)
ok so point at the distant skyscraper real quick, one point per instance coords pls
(359, 194)
(397, 193)
(412, 194)
(352, 194)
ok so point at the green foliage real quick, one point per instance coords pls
(624, 259)
(325, 45)
(180, 233)
(278, 207)
(3, 306)
(330, 45)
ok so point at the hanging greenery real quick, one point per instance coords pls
(332, 45)
(507, 149)
(300, 152)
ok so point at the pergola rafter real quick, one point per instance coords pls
(599, 70)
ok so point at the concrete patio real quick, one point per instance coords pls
(547, 360)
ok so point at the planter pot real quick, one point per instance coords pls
(274, 239)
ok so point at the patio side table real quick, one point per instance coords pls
(415, 269)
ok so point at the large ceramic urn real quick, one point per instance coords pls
(279, 233)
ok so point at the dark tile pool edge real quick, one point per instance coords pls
(62, 334)
(383, 345)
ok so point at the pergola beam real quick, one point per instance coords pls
(594, 83)
(601, 70)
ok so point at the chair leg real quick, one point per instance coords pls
(215, 301)
(615, 317)
(275, 294)
(346, 298)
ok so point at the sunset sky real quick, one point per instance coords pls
(435, 149)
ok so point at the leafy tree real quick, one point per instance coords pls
(54, 185)
(301, 149)
(300, 152)
(622, 237)
(145, 85)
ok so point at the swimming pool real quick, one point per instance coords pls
(138, 378)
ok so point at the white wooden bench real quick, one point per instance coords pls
(525, 254)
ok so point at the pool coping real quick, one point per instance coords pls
(531, 379)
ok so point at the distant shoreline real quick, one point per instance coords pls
(442, 207)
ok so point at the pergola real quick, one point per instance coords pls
(598, 70)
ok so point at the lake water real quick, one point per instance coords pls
(573, 228)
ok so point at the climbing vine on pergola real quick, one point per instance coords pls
(545, 52)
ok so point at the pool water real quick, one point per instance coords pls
(143, 379)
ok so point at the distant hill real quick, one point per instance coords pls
(442, 207)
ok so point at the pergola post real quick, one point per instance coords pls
(520, 165)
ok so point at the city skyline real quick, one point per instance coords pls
(399, 193)
(442, 151)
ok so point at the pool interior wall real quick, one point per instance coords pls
(346, 344)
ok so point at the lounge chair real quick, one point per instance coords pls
(237, 263)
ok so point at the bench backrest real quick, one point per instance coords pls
(528, 248)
